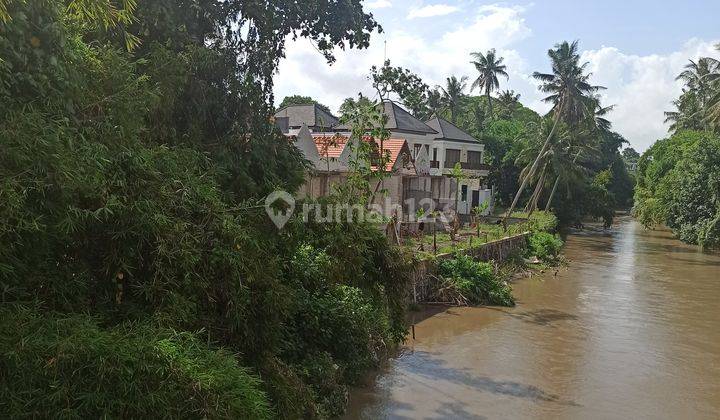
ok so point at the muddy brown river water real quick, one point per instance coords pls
(629, 330)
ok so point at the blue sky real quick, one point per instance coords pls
(635, 49)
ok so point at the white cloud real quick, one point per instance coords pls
(642, 87)
(377, 4)
(434, 58)
(432, 11)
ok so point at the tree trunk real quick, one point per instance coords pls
(489, 101)
(538, 192)
(538, 186)
(552, 194)
(557, 181)
(533, 168)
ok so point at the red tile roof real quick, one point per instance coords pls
(333, 145)
(330, 146)
(395, 148)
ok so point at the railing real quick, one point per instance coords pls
(468, 165)
(475, 166)
(434, 164)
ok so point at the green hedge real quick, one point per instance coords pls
(70, 367)
(476, 280)
(545, 246)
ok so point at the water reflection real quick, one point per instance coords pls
(631, 329)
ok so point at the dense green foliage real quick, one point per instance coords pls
(678, 178)
(544, 245)
(698, 108)
(301, 100)
(540, 221)
(130, 180)
(679, 185)
(477, 281)
(71, 367)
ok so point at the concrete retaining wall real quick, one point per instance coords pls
(424, 281)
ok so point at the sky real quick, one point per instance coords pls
(635, 48)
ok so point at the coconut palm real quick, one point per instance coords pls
(570, 93)
(564, 156)
(538, 132)
(687, 114)
(509, 97)
(699, 77)
(698, 106)
(597, 126)
(489, 66)
(452, 95)
(434, 101)
(509, 101)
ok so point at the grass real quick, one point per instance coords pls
(467, 237)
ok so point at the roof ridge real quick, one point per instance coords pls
(444, 125)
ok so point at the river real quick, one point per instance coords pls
(629, 329)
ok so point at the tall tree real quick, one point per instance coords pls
(452, 95)
(586, 137)
(301, 100)
(409, 87)
(489, 66)
(434, 101)
(509, 101)
(699, 77)
(570, 93)
(698, 108)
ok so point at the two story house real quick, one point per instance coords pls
(453, 147)
(433, 147)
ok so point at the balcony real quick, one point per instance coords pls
(472, 166)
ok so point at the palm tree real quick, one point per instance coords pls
(434, 101)
(570, 93)
(509, 101)
(699, 77)
(565, 167)
(509, 98)
(687, 114)
(452, 94)
(489, 66)
(698, 105)
(538, 132)
(598, 126)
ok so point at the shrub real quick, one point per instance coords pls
(476, 281)
(340, 320)
(545, 246)
(68, 366)
(335, 331)
(539, 221)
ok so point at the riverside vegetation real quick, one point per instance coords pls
(139, 274)
(679, 177)
(464, 281)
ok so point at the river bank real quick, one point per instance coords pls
(626, 330)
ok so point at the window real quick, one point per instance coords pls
(434, 154)
(463, 193)
(427, 150)
(452, 156)
(417, 149)
(475, 158)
